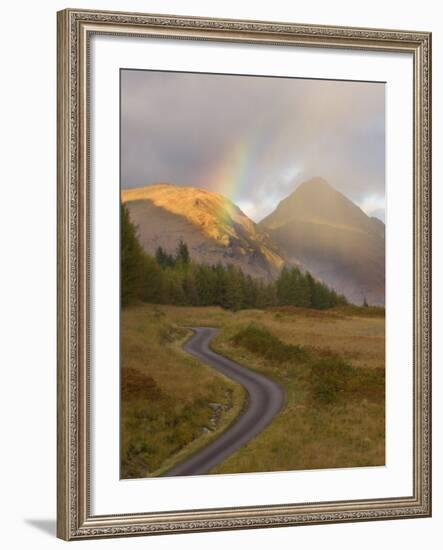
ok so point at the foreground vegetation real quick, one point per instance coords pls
(170, 403)
(330, 363)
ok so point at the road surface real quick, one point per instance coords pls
(265, 400)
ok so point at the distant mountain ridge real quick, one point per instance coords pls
(315, 201)
(213, 227)
(315, 228)
(336, 241)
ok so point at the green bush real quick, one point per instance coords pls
(257, 339)
(367, 384)
(170, 333)
(332, 377)
(329, 378)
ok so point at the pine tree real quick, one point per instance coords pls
(152, 280)
(313, 290)
(321, 296)
(233, 297)
(283, 285)
(182, 254)
(160, 256)
(131, 260)
(220, 278)
(163, 258)
(205, 279)
(173, 288)
(304, 292)
(190, 287)
(266, 295)
(249, 292)
(178, 280)
(296, 288)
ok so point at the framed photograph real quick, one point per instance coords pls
(244, 294)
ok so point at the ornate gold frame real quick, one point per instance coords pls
(75, 27)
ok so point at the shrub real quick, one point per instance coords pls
(170, 333)
(332, 377)
(137, 385)
(329, 377)
(367, 384)
(257, 339)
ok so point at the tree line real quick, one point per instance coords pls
(176, 279)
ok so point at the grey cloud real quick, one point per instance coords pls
(178, 127)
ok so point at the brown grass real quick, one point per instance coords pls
(334, 415)
(310, 432)
(137, 385)
(165, 394)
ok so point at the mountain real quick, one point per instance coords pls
(336, 241)
(214, 229)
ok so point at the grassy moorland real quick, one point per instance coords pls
(171, 405)
(330, 363)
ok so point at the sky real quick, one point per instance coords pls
(253, 139)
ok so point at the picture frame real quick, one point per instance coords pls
(75, 403)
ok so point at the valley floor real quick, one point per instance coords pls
(330, 364)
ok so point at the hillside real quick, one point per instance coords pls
(336, 241)
(214, 229)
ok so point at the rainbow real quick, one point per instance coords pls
(231, 175)
(233, 171)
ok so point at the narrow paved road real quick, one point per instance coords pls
(265, 400)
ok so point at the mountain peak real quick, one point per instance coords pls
(309, 192)
(333, 238)
(315, 189)
(212, 226)
(317, 183)
(215, 214)
(316, 201)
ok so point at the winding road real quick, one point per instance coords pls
(265, 400)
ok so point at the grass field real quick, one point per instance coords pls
(170, 403)
(330, 363)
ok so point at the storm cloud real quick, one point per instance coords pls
(253, 139)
